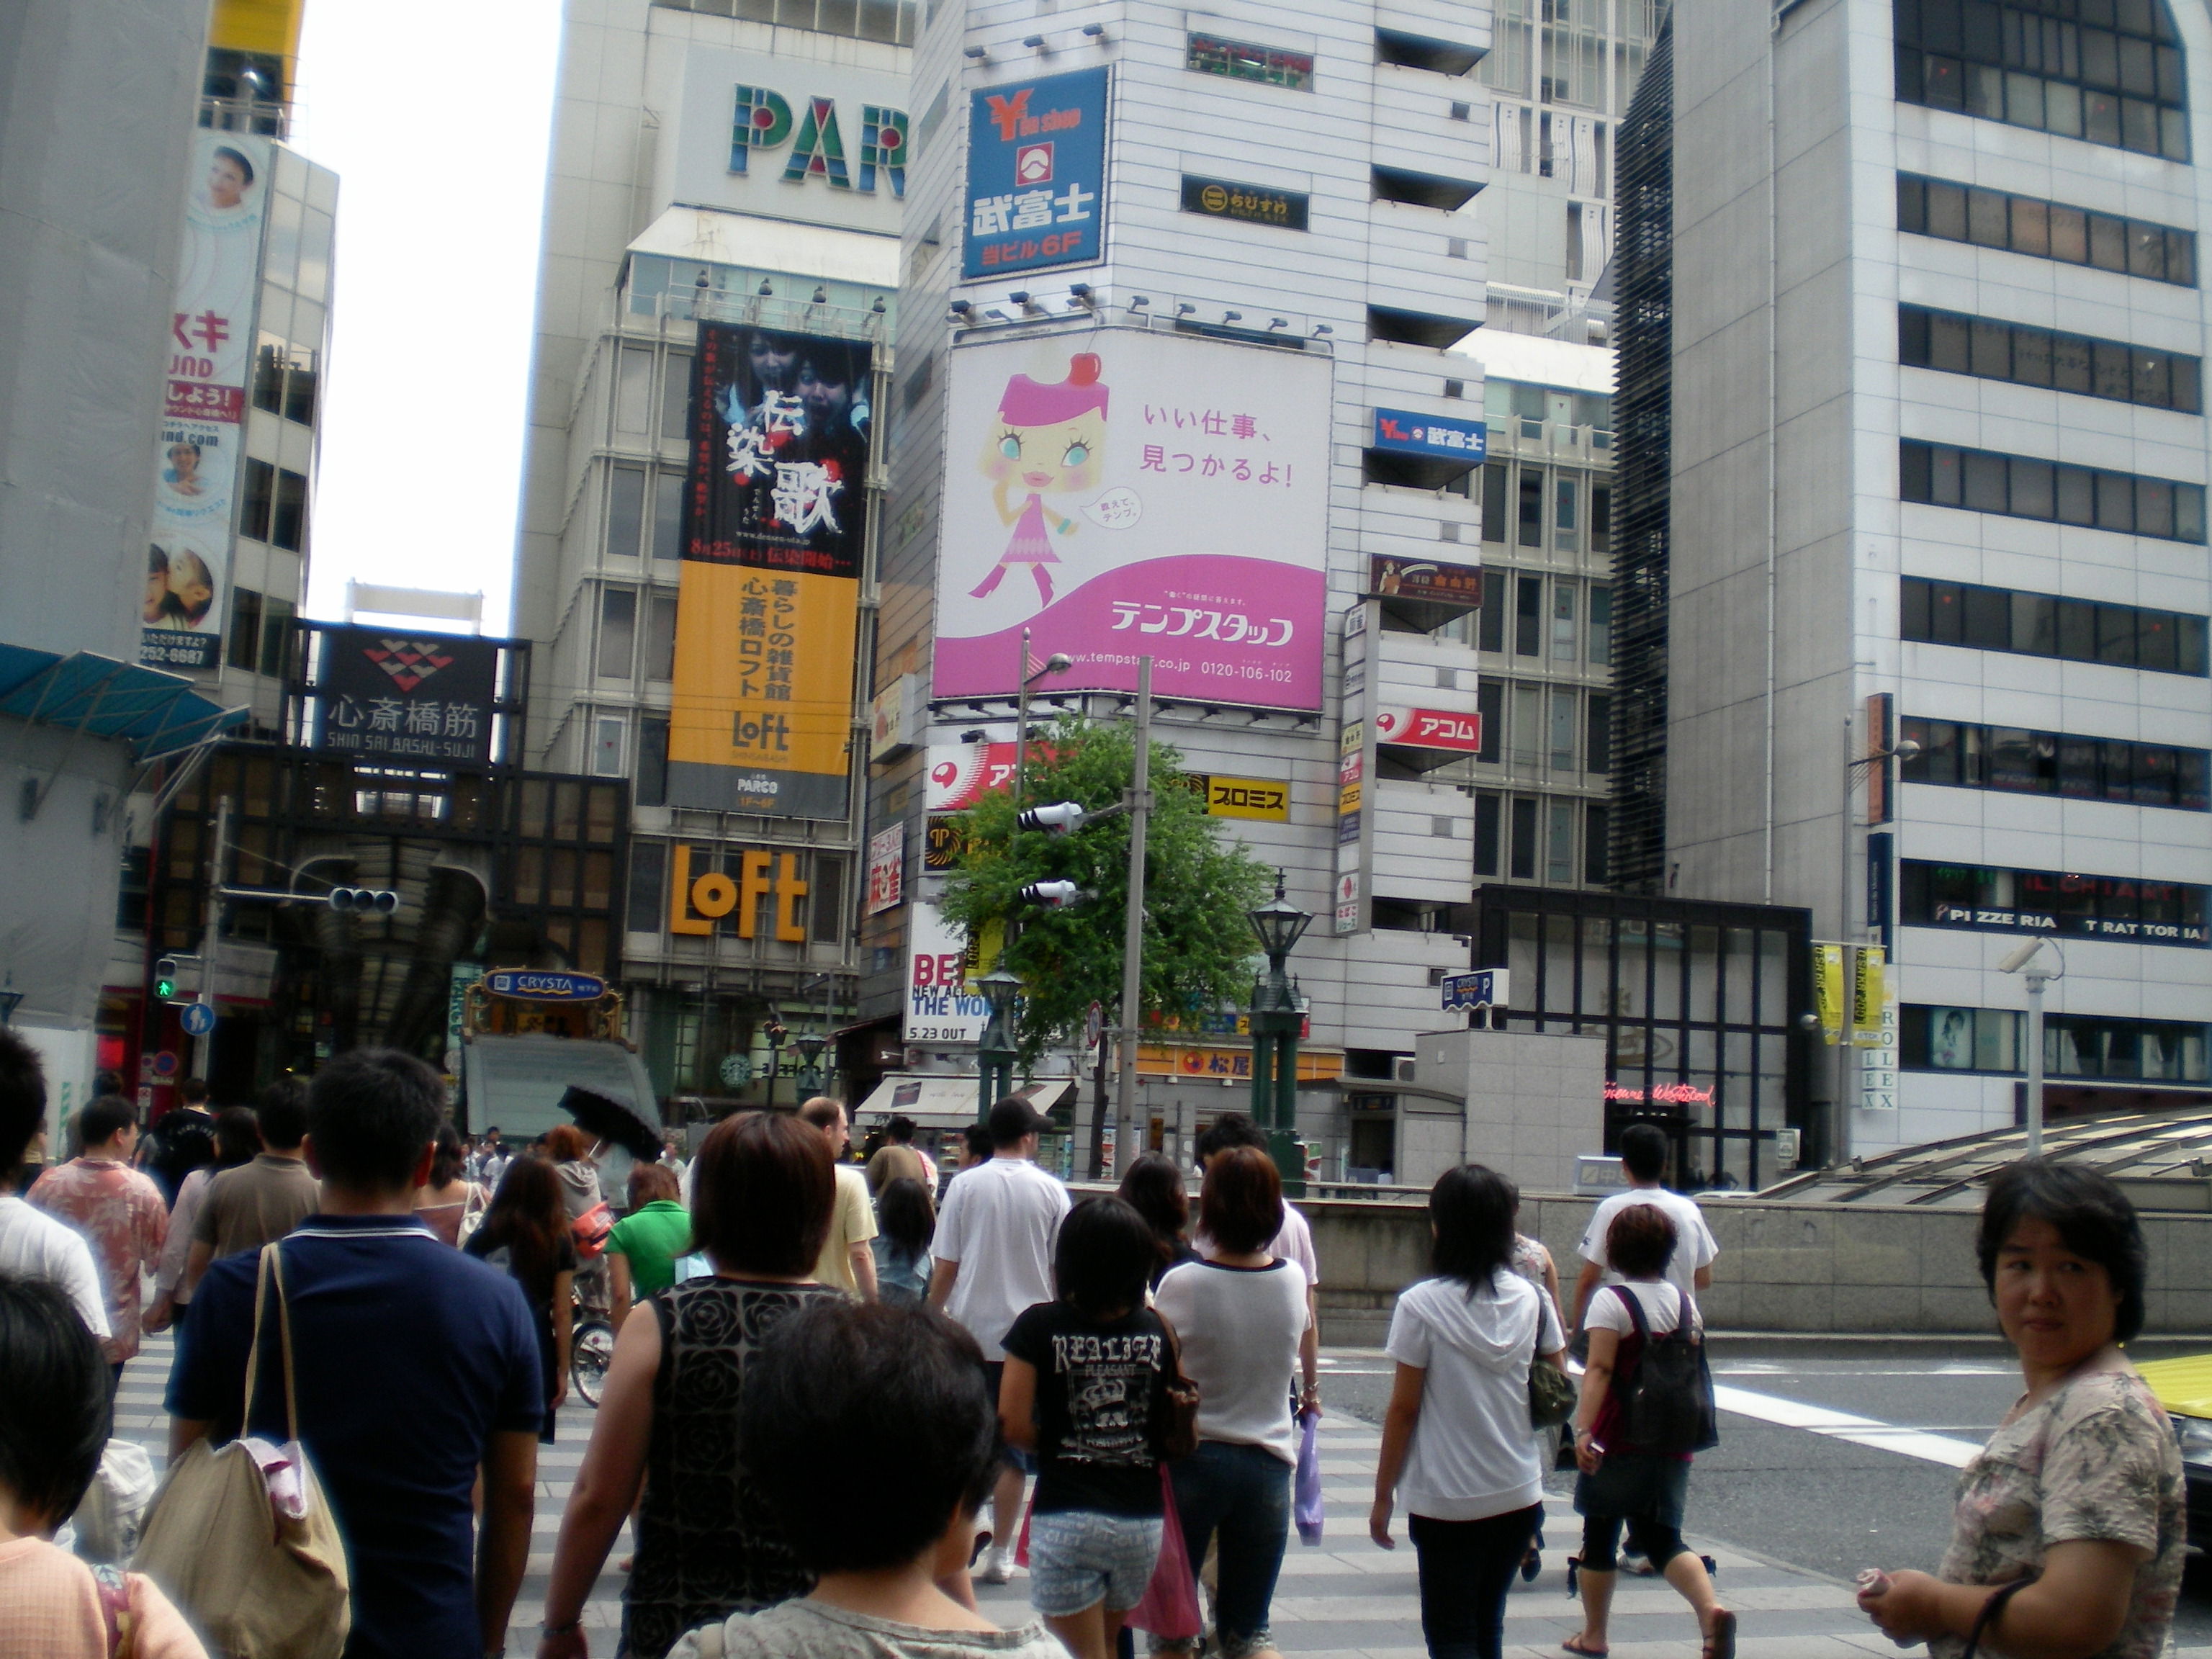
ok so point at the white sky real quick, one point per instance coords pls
(434, 114)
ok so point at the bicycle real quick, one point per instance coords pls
(591, 1350)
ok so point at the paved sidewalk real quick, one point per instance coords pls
(1343, 1600)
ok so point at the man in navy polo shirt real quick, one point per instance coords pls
(416, 1367)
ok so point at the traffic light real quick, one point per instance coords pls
(363, 900)
(165, 978)
(1053, 895)
(176, 977)
(1058, 819)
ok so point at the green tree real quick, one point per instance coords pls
(1197, 885)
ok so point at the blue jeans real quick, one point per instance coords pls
(1467, 1566)
(1244, 1494)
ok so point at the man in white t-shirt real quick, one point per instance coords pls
(847, 1260)
(1644, 1160)
(993, 1248)
(32, 1244)
(1293, 1243)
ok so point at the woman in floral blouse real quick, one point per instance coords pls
(2076, 1503)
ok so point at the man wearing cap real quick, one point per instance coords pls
(993, 1250)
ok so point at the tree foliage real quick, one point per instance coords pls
(1198, 947)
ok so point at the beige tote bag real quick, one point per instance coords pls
(254, 1583)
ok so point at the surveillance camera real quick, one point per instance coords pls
(2019, 957)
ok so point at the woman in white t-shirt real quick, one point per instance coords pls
(1623, 1483)
(1239, 1316)
(1456, 1444)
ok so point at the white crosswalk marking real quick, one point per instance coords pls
(1346, 1600)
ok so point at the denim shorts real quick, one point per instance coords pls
(1078, 1558)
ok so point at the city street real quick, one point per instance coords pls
(1825, 1466)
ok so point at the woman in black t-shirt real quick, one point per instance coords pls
(526, 1232)
(1085, 1384)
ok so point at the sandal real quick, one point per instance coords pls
(1574, 1644)
(1720, 1641)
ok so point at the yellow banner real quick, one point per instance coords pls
(763, 714)
(1828, 988)
(272, 27)
(1869, 994)
(1247, 798)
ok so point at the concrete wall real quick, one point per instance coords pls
(1535, 1099)
(1796, 1267)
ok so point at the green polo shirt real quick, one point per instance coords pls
(651, 1239)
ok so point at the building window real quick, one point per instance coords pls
(625, 510)
(1490, 621)
(2114, 78)
(1566, 498)
(260, 500)
(1988, 900)
(1239, 60)
(1493, 501)
(1597, 825)
(660, 637)
(1601, 623)
(1485, 833)
(269, 376)
(1529, 616)
(1531, 518)
(1562, 745)
(1522, 855)
(652, 760)
(634, 390)
(1563, 622)
(2045, 230)
(243, 647)
(287, 522)
(1937, 1039)
(1944, 1039)
(675, 397)
(276, 615)
(1559, 843)
(2045, 625)
(607, 746)
(2021, 486)
(1988, 350)
(2019, 762)
(1527, 737)
(1600, 518)
(1597, 738)
(668, 515)
(1490, 714)
(825, 901)
(300, 391)
(617, 632)
(648, 876)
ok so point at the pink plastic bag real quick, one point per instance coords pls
(1169, 1607)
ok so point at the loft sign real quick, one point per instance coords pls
(765, 120)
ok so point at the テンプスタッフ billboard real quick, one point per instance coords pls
(1126, 493)
(197, 449)
(775, 522)
(1036, 175)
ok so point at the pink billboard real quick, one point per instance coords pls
(1124, 494)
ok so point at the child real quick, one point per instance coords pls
(1084, 1385)
(867, 1429)
(55, 1382)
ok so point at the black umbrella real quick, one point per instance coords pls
(612, 1120)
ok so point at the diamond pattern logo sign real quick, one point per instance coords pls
(414, 699)
(409, 662)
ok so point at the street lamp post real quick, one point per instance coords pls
(774, 1031)
(1276, 1018)
(1059, 663)
(2035, 975)
(810, 1049)
(994, 1054)
(1838, 1134)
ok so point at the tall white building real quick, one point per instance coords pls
(1230, 250)
(1939, 460)
(732, 174)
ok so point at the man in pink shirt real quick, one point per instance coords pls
(118, 1211)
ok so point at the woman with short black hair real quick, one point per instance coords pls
(1621, 1483)
(707, 1544)
(2068, 1539)
(1085, 1387)
(1457, 1442)
(1239, 1316)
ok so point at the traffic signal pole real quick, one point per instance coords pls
(1127, 1144)
(210, 937)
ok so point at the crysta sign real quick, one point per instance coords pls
(821, 143)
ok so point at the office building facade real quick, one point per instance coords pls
(1936, 324)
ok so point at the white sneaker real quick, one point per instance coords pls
(998, 1566)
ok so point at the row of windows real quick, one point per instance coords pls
(1536, 728)
(260, 631)
(630, 535)
(2074, 1045)
(888, 20)
(2021, 761)
(2023, 487)
(2097, 78)
(2045, 230)
(634, 404)
(2027, 356)
(2050, 902)
(1574, 625)
(284, 380)
(1569, 507)
(616, 654)
(276, 506)
(1525, 838)
(1548, 405)
(2045, 625)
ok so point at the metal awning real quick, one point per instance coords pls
(939, 1101)
(156, 713)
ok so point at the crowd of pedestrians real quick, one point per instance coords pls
(831, 1383)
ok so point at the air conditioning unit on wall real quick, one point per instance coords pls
(1402, 1070)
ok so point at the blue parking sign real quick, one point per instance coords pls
(1036, 175)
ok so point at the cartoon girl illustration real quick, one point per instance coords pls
(1049, 439)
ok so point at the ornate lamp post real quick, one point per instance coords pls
(810, 1049)
(1276, 1018)
(994, 1054)
(775, 1032)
